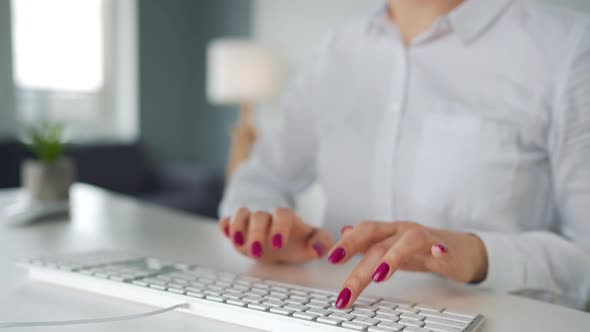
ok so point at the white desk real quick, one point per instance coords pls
(102, 220)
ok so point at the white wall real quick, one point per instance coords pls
(7, 121)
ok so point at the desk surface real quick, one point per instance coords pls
(101, 220)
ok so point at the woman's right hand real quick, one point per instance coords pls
(280, 237)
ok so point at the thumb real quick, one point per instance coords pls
(318, 243)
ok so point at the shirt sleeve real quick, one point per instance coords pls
(283, 161)
(545, 260)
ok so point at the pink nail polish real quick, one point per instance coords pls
(319, 248)
(277, 241)
(442, 248)
(226, 230)
(256, 249)
(380, 272)
(238, 239)
(343, 298)
(337, 255)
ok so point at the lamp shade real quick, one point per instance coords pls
(240, 71)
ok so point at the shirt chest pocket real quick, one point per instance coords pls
(465, 160)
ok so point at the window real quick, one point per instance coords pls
(66, 54)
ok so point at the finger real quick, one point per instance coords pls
(280, 231)
(257, 233)
(345, 228)
(318, 243)
(411, 243)
(360, 277)
(224, 226)
(359, 239)
(238, 226)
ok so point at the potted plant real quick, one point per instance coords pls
(49, 176)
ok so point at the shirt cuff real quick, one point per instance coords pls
(506, 262)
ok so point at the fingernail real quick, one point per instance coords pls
(238, 239)
(226, 230)
(319, 248)
(345, 228)
(380, 272)
(277, 241)
(442, 248)
(343, 298)
(256, 249)
(337, 255)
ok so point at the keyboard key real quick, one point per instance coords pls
(441, 328)
(258, 306)
(317, 305)
(328, 320)
(212, 292)
(393, 326)
(296, 307)
(334, 309)
(406, 309)
(366, 320)
(253, 299)
(305, 315)
(176, 290)
(282, 311)
(342, 316)
(236, 302)
(410, 322)
(415, 329)
(158, 287)
(428, 308)
(448, 322)
(380, 329)
(445, 316)
(319, 312)
(274, 303)
(387, 318)
(354, 326)
(195, 294)
(140, 283)
(295, 301)
(460, 314)
(388, 312)
(215, 298)
(258, 291)
(364, 313)
(411, 316)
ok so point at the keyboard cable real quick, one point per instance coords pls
(96, 320)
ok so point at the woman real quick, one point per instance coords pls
(453, 135)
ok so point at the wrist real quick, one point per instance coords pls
(480, 260)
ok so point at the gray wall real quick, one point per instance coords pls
(7, 118)
(176, 122)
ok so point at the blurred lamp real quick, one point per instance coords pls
(240, 72)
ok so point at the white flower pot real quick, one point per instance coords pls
(48, 181)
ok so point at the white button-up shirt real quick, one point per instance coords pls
(481, 124)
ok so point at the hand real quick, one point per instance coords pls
(280, 237)
(392, 246)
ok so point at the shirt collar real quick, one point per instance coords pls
(473, 17)
(468, 20)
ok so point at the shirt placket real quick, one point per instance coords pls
(388, 138)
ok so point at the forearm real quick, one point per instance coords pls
(536, 260)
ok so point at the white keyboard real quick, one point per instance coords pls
(239, 299)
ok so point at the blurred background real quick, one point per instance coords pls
(148, 106)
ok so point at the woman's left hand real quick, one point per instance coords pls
(392, 246)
